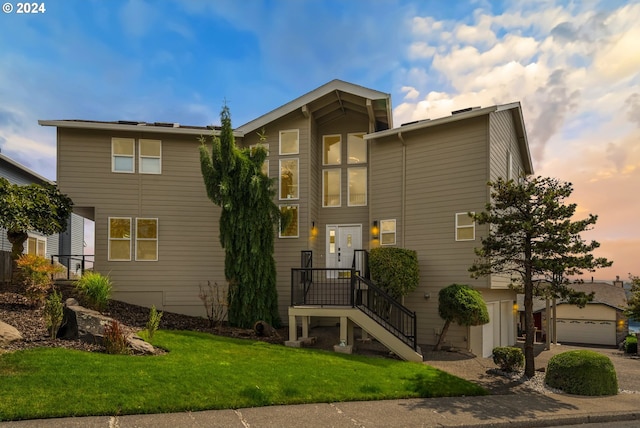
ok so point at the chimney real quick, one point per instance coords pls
(618, 283)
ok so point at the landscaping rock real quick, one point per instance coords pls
(8, 334)
(82, 323)
(139, 346)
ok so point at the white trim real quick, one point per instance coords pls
(324, 149)
(395, 232)
(132, 156)
(339, 170)
(297, 131)
(366, 184)
(141, 156)
(297, 235)
(146, 239)
(39, 239)
(472, 225)
(297, 181)
(109, 239)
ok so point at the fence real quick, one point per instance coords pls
(5, 267)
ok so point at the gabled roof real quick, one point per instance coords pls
(330, 101)
(32, 174)
(128, 125)
(605, 294)
(518, 120)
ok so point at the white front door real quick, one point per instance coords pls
(342, 241)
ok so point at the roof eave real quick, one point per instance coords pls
(26, 170)
(130, 128)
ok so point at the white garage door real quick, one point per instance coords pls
(587, 331)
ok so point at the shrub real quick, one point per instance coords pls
(53, 313)
(96, 289)
(395, 270)
(115, 339)
(214, 299)
(508, 358)
(154, 321)
(35, 275)
(461, 304)
(582, 373)
(631, 344)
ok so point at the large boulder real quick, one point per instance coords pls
(82, 323)
(137, 346)
(8, 334)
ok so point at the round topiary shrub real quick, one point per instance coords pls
(582, 373)
(508, 358)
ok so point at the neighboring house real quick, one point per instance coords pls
(351, 179)
(69, 242)
(600, 322)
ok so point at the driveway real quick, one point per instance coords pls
(476, 369)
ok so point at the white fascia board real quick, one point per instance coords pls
(135, 128)
(26, 170)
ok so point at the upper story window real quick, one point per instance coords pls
(147, 239)
(150, 156)
(119, 238)
(465, 227)
(356, 148)
(357, 188)
(509, 166)
(122, 155)
(331, 187)
(289, 142)
(289, 173)
(331, 149)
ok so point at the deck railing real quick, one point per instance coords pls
(76, 264)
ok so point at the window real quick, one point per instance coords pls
(119, 238)
(465, 227)
(331, 150)
(122, 155)
(357, 179)
(289, 179)
(331, 187)
(388, 232)
(37, 246)
(150, 156)
(289, 144)
(265, 164)
(509, 166)
(356, 148)
(147, 239)
(290, 212)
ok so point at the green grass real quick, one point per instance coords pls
(201, 372)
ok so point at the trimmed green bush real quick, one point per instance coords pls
(96, 289)
(582, 373)
(508, 358)
(631, 344)
(395, 270)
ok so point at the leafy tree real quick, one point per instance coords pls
(633, 308)
(34, 207)
(533, 240)
(234, 182)
(462, 304)
(396, 270)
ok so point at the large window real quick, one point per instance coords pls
(465, 227)
(331, 187)
(356, 148)
(147, 239)
(289, 142)
(388, 232)
(119, 238)
(122, 155)
(357, 179)
(290, 212)
(37, 246)
(331, 150)
(150, 156)
(289, 178)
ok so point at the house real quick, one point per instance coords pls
(600, 322)
(351, 180)
(68, 242)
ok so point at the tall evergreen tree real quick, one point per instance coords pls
(532, 238)
(234, 182)
(633, 308)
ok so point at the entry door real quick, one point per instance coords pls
(342, 241)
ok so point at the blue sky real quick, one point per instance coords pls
(574, 66)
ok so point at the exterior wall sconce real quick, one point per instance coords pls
(515, 307)
(427, 295)
(314, 229)
(375, 230)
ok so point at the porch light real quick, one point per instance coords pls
(515, 307)
(314, 229)
(374, 230)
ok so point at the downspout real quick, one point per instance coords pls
(403, 191)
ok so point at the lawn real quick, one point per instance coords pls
(201, 372)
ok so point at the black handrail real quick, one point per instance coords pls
(86, 261)
(361, 262)
(306, 258)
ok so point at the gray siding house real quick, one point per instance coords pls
(69, 242)
(352, 180)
